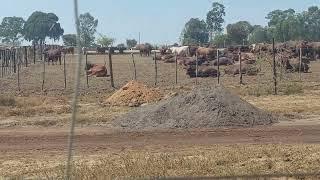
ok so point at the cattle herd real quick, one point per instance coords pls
(199, 61)
(203, 61)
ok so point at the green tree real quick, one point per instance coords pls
(286, 25)
(221, 40)
(131, 43)
(11, 30)
(215, 18)
(311, 19)
(88, 28)
(239, 32)
(258, 35)
(105, 41)
(41, 25)
(195, 32)
(69, 39)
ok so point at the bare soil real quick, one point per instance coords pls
(33, 131)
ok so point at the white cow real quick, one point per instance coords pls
(180, 51)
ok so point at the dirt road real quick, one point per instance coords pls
(94, 140)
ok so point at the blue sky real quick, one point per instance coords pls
(159, 21)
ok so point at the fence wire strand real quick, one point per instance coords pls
(75, 96)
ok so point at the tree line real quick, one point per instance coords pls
(283, 25)
(41, 26)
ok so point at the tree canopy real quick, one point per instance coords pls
(105, 41)
(195, 32)
(11, 30)
(259, 34)
(239, 31)
(131, 43)
(41, 25)
(69, 39)
(88, 28)
(215, 18)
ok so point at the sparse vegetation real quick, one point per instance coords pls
(215, 161)
(292, 88)
(7, 101)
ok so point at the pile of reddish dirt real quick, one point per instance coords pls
(135, 93)
(201, 108)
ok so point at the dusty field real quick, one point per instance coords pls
(33, 127)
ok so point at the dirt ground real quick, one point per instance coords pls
(33, 129)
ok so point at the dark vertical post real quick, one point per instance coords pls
(240, 70)
(176, 59)
(155, 68)
(87, 77)
(1, 58)
(34, 53)
(274, 68)
(26, 56)
(64, 71)
(19, 77)
(14, 60)
(197, 69)
(110, 65)
(2, 64)
(300, 64)
(44, 72)
(134, 66)
(218, 63)
(41, 50)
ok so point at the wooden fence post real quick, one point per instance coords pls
(110, 65)
(197, 69)
(2, 62)
(44, 72)
(134, 66)
(240, 70)
(87, 77)
(26, 55)
(156, 69)
(274, 68)
(64, 71)
(176, 59)
(300, 64)
(34, 53)
(13, 56)
(218, 61)
(19, 76)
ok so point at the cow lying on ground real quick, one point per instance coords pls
(223, 61)
(203, 71)
(294, 66)
(96, 70)
(247, 69)
(188, 61)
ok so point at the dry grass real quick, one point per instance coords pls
(236, 160)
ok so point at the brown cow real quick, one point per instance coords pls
(207, 53)
(96, 70)
(245, 69)
(203, 71)
(223, 61)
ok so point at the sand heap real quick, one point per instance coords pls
(134, 93)
(204, 108)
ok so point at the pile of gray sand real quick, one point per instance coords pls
(202, 108)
